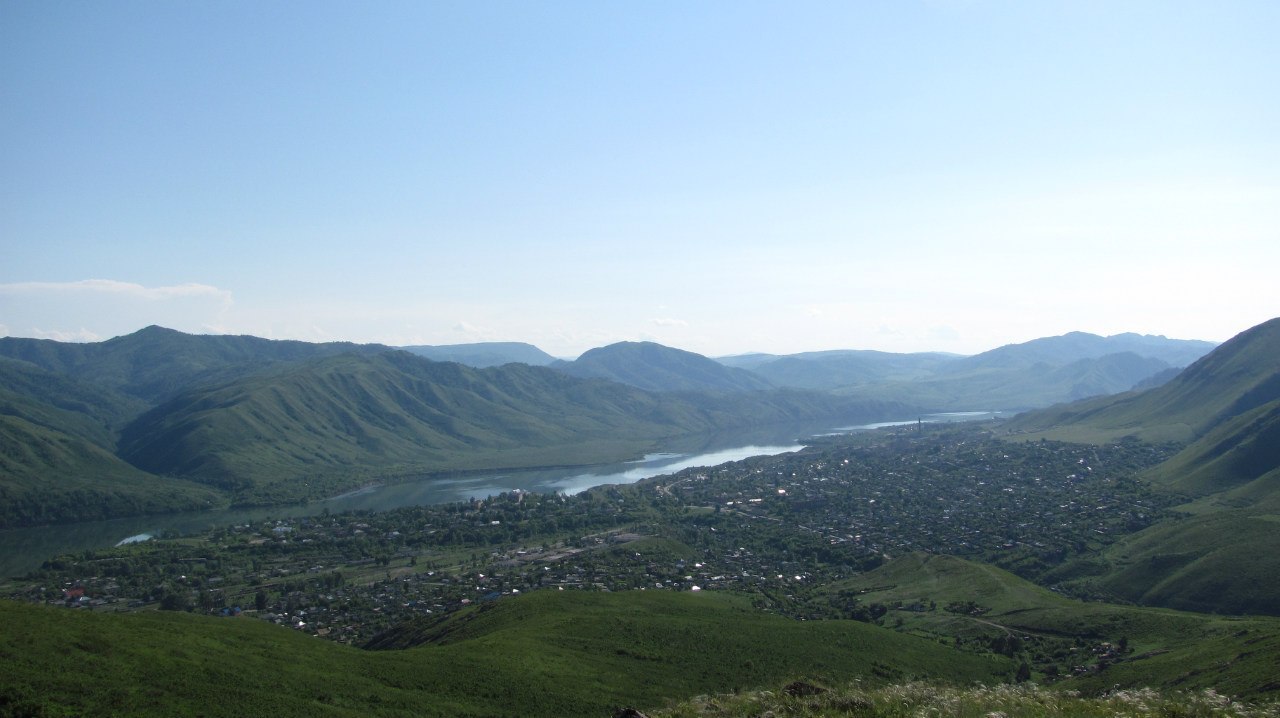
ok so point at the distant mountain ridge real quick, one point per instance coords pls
(1226, 408)
(1016, 376)
(839, 368)
(1075, 346)
(655, 367)
(1239, 375)
(154, 363)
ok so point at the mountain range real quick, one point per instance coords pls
(225, 420)
(162, 420)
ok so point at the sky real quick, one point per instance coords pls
(722, 177)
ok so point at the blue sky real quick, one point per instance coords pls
(722, 177)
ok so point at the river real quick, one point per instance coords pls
(24, 549)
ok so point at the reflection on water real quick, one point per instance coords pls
(941, 418)
(24, 549)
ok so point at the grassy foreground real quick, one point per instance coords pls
(570, 653)
(908, 700)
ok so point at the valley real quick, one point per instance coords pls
(996, 550)
(639, 360)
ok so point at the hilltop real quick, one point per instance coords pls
(654, 367)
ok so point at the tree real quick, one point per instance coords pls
(175, 601)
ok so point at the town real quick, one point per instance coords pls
(781, 529)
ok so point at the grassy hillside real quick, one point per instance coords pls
(57, 401)
(313, 428)
(985, 606)
(543, 654)
(1223, 557)
(270, 421)
(586, 653)
(155, 363)
(92, 483)
(1238, 461)
(804, 700)
(1222, 562)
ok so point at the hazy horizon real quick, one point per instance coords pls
(723, 178)
(571, 357)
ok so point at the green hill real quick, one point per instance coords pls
(1225, 555)
(268, 421)
(60, 402)
(654, 367)
(1240, 375)
(311, 429)
(983, 605)
(1237, 462)
(1219, 562)
(88, 483)
(57, 454)
(543, 654)
(155, 363)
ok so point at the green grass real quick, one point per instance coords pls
(1167, 649)
(547, 653)
(1223, 561)
(1003, 701)
(47, 475)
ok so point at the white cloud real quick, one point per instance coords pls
(472, 331)
(111, 286)
(670, 322)
(79, 335)
(943, 333)
(92, 309)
